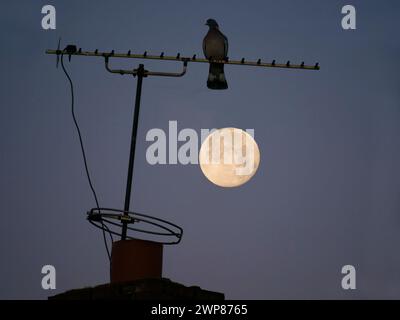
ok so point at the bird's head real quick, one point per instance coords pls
(212, 23)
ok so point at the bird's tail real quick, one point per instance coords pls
(216, 77)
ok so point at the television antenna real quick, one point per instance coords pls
(125, 218)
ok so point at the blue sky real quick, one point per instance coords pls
(326, 193)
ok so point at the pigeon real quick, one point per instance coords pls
(215, 47)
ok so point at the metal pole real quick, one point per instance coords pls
(140, 75)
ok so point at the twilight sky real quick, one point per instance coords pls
(326, 194)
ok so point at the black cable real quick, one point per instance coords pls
(84, 156)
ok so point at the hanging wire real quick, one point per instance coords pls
(84, 157)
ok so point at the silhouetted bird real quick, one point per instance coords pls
(215, 47)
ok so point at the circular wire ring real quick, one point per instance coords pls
(100, 217)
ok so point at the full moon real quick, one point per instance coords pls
(229, 157)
